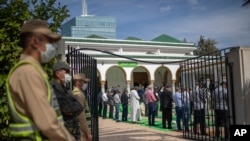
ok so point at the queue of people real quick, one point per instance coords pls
(189, 104)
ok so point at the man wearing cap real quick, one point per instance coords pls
(80, 85)
(31, 101)
(69, 105)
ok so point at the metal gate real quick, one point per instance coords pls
(204, 82)
(204, 87)
(82, 63)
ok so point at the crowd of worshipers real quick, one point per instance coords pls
(187, 103)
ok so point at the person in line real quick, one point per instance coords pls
(99, 101)
(105, 104)
(199, 111)
(145, 102)
(178, 107)
(28, 91)
(161, 89)
(124, 101)
(134, 105)
(111, 103)
(140, 92)
(166, 106)
(221, 110)
(117, 100)
(151, 105)
(69, 105)
(119, 88)
(157, 96)
(84, 118)
(191, 100)
(186, 108)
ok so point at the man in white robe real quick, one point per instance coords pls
(135, 106)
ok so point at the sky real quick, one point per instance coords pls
(224, 21)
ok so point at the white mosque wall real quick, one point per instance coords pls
(115, 75)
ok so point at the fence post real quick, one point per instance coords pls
(239, 58)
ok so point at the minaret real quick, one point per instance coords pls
(84, 8)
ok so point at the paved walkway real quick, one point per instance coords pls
(109, 130)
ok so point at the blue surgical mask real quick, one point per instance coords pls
(49, 53)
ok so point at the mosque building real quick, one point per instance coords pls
(158, 58)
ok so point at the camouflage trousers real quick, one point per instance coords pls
(74, 128)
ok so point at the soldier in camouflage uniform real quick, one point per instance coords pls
(69, 105)
(80, 85)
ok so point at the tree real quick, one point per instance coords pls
(205, 46)
(13, 14)
(184, 40)
(246, 3)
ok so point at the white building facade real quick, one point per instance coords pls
(154, 62)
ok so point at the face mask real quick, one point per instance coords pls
(49, 53)
(84, 86)
(67, 78)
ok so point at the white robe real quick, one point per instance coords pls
(135, 106)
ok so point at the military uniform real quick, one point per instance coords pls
(69, 105)
(29, 94)
(84, 117)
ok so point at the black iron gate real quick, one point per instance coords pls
(204, 82)
(82, 63)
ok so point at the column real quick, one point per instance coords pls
(173, 86)
(239, 84)
(152, 83)
(103, 86)
(128, 85)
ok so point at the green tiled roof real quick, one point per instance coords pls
(166, 38)
(132, 38)
(95, 36)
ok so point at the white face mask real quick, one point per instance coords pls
(84, 86)
(67, 78)
(49, 53)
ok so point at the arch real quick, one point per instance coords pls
(178, 77)
(115, 76)
(163, 76)
(140, 75)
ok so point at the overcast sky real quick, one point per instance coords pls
(222, 20)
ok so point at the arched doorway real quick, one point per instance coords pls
(178, 78)
(115, 77)
(140, 75)
(163, 76)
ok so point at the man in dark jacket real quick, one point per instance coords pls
(124, 101)
(111, 103)
(166, 100)
(99, 101)
(69, 105)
